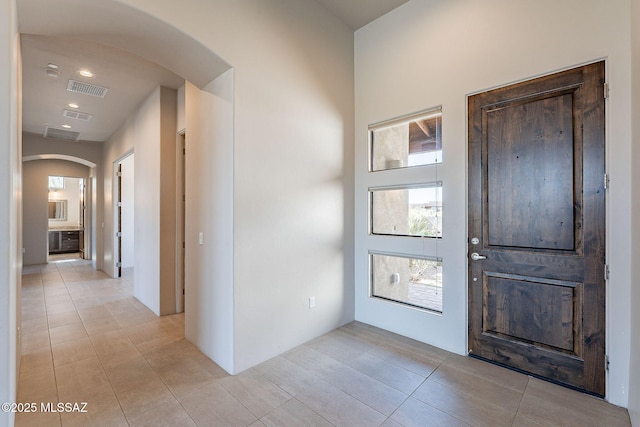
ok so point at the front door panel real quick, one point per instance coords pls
(536, 206)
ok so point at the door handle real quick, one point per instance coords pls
(477, 257)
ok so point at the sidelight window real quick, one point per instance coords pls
(409, 141)
(407, 210)
(412, 280)
(405, 201)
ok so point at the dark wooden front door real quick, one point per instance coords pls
(537, 213)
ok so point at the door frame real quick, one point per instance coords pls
(606, 122)
(117, 271)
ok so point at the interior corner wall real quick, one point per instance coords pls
(209, 303)
(115, 148)
(35, 183)
(425, 54)
(634, 374)
(147, 133)
(128, 211)
(292, 145)
(10, 212)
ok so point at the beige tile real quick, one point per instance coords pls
(36, 361)
(212, 406)
(93, 313)
(290, 377)
(463, 406)
(313, 361)
(36, 324)
(61, 298)
(130, 374)
(494, 373)
(34, 340)
(135, 317)
(414, 413)
(39, 387)
(101, 325)
(294, 413)
(142, 396)
(339, 408)
(255, 392)
(394, 376)
(167, 415)
(367, 390)
(82, 378)
(129, 361)
(413, 362)
(65, 333)
(38, 419)
(99, 415)
(549, 404)
(184, 377)
(73, 351)
(60, 308)
(480, 387)
(61, 319)
(114, 348)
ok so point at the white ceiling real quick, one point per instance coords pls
(129, 77)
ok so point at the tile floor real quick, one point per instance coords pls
(86, 339)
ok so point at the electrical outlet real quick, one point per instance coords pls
(312, 302)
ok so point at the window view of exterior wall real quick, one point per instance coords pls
(407, 143)
(414, 211)
(412, 281)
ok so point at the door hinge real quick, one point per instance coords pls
(118, 264)
(119, 204)
(606, 181)
(118, 174)
(605, 88)
(606, 362)
(606, 272)
(119, 234)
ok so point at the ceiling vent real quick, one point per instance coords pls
(86, 88)
(61, 134)
(77, 115)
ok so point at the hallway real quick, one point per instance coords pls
(87, 339)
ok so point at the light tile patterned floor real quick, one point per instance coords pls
(86, 339)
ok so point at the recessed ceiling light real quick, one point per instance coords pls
(66, 126)
(52, 72)
(52, 65)
(86, 73)
(73, 105)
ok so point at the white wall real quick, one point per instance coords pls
(634, 374)
(10, 214)
(128, 211)
(425, 54)
(209, 302)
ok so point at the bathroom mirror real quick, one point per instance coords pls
(58, 210)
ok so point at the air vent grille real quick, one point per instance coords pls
(61, 134)
(77, 115)
(87, 88)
